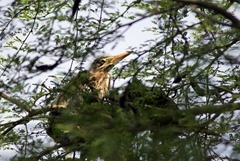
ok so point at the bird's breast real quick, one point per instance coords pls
(100, 81)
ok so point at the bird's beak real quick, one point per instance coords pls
(113, 60)
(117, 58)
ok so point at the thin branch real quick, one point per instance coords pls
(209, 17)
(21, 46)
(213, 109)
(75, 7)
(24, 120)
(8, 23)
(235, 21)
(14, 101)
(101, 15)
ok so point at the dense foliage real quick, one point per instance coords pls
(182, 98)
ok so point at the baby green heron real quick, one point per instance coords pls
(97, 78)
(77, 94)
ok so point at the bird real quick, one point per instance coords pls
(86, 87)
(96, 78)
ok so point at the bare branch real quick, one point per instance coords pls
(219, 10)
(14, 101)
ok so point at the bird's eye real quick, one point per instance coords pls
(102, 61)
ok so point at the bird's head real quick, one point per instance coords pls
(105, 64)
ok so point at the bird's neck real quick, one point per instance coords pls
(100, 81)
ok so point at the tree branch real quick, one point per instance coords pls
(14, 101)
(23, 120)
(165, 117)
(219, 10)
(214, 109)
